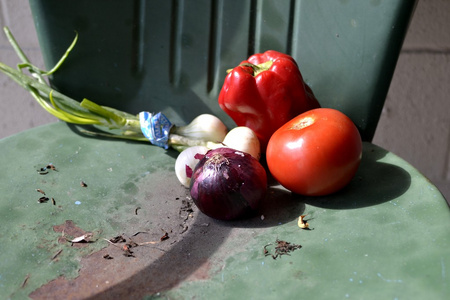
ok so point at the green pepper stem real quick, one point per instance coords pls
(257, 69)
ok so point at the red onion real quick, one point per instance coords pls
(228, 184)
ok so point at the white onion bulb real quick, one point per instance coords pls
(186, 158)
(205, 127)
(243, 139)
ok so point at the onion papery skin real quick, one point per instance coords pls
(228, 184)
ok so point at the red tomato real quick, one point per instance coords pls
(316, 153)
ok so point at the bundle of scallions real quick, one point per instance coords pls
(205, 130)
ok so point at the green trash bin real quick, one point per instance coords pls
(172, 56)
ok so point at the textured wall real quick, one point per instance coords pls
(415, 123)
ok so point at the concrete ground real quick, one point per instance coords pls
(415, 123)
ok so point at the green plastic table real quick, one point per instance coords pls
(385, 236)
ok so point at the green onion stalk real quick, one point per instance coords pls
(205, 130)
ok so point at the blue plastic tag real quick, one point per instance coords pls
(156, 128)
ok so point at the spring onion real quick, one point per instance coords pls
(202, 131)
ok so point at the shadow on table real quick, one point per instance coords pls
(93, 132)
(190, 257)
(374, 183)
(279, 207)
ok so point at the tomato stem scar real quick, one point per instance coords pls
(303, 123)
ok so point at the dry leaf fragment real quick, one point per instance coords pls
(118, 239)
(56, 254)
(42, 171)
(266, 252)
(85, 238)
(126, 251)
(301, 223)
(284, 248)
(136, 210)
(132, 244)
(43, 199)
(164, 237)
(107, 256)
(148, 243)
(51, 167)
(25, 280)
(281, 248)
(139, 232)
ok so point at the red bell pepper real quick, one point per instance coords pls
(264, 92)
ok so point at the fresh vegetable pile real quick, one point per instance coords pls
(309, 150)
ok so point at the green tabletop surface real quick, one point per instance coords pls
(117, 225)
